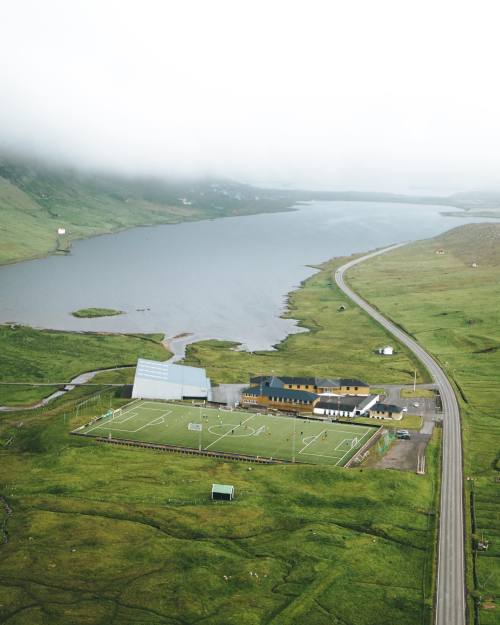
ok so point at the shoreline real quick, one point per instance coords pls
(458, 211)
(73, 239)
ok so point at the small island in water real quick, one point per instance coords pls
(97, 312)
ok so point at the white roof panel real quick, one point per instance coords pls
(169, 372)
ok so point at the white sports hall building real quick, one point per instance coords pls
(164, 380)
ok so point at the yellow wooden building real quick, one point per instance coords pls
(338, 386)
(272, 397)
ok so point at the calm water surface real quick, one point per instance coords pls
(224, 279)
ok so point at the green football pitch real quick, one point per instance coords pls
(270, 436)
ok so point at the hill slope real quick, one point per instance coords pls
(449, 302)
(36, 200)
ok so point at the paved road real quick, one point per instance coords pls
(450, 599)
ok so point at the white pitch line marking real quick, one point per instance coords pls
(224, 435)
(315, 438)
(358, 446)
(112, 420)
(310, 453)
(155, 421)
(125, 416)
(341, 443)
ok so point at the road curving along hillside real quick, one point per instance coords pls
(450, 591)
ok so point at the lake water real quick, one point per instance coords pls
(226, 278)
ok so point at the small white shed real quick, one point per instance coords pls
(388, 350)
(223, 491)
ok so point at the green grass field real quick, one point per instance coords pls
(101, 534)
(270, 436)
(452, 309)
(89, 313)
(29, 355)
(106, 534)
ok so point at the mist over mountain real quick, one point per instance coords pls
(324, 96)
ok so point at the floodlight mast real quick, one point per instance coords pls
(293, 439)
(199, 431)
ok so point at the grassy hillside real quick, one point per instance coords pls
(28, 355)
(453, 309)
(100, 534)
(36, 199)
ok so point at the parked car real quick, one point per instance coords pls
(416, 404)
(403, 435)
(405, 409)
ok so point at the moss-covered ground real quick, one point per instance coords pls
(100, 534)
(90, 313)
(43, 356)
(451, 303)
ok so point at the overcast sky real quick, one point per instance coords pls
(380, 94)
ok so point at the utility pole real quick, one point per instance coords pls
(200, 430)
(293, 438)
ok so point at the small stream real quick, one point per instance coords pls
(83, 378)
(176, 345)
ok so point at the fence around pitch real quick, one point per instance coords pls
(371, 441)
(184, 450)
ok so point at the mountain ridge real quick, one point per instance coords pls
(36, 199)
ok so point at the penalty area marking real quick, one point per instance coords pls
(307, 439)
(348, 441)
(232, 427)
(159, 420)
(313, 439)
(357, 447)
(114, 420)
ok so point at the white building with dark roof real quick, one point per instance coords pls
(387, 350)
(164, 380)
(345, 405)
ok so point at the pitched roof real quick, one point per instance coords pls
(267, 380)
(298, 380)
(326, 383)
(352, 382)
(390, 408)
(345, 402)
(277, 381)
(282, 393)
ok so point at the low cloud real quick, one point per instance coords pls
(387, 95)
